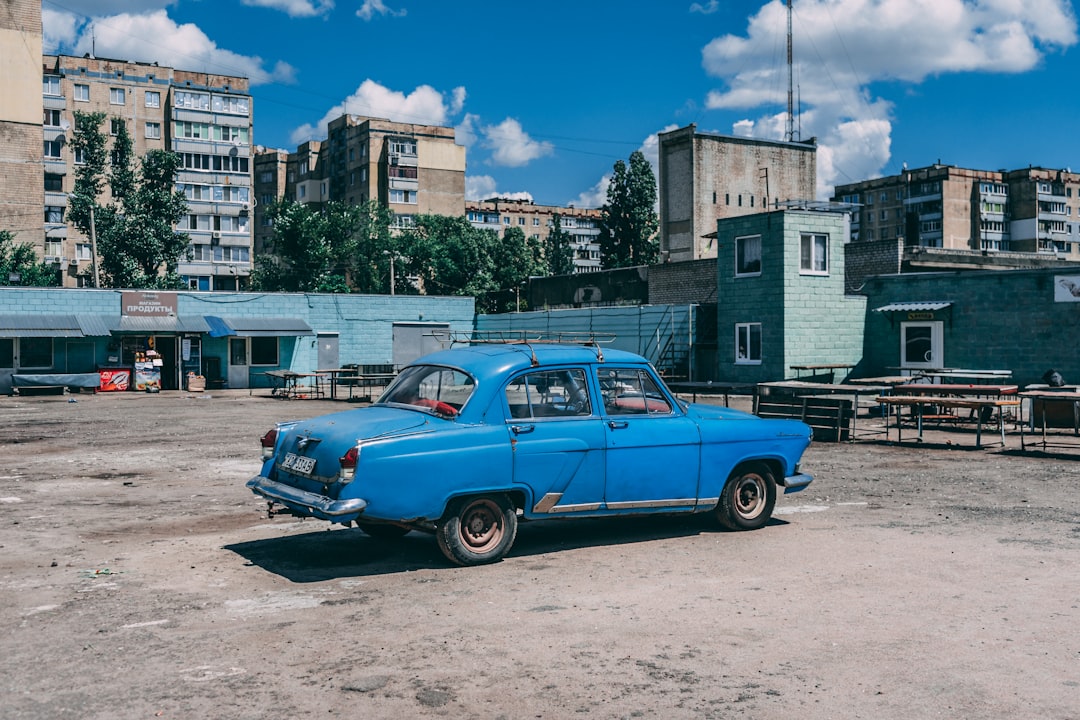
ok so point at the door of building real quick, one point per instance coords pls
(7, 363)
(239, 361)
(922, 345)
(413, 340)
(328, 351)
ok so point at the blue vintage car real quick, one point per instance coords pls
(467, 442)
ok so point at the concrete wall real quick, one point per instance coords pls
(678, 283)
(1005, 320)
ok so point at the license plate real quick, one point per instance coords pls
(298, 464)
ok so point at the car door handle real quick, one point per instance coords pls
(522, 429)
(618, 424)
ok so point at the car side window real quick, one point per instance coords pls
(631, 391)
(549, 393)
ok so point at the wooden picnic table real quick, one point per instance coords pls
(976, 404)
(800, 389)
(713, 387)
(286, 384)
(829, 368)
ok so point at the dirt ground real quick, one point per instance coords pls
(140, 579)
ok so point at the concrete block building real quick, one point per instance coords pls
(705, 177)
(781, 300)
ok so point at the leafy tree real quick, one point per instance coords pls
(338, 248)
(628, 221)
(19, 265)
(557, 251)
(448, 256)
(137, 244)
(517, 258)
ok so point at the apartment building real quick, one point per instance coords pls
(270, 182)
(1033, 210)
(536, 221)
(204, 118)
(22, 194)
(705, 177)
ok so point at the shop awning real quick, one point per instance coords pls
(95, 325)
(162, 324)
(26, 325)
(257, 326)
(918, 306)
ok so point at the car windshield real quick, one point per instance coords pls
(432, 388)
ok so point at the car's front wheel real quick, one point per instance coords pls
(748, 498)
(477, 530)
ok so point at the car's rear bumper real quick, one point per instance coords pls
(310, 503)
(795, 483)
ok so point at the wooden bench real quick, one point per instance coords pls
(830, 417)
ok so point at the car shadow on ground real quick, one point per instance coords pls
(340, 553)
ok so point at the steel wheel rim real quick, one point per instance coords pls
(750, 496)
(481, 526)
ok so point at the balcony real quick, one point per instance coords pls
(403, 160)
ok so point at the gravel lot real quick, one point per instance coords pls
(140, 579)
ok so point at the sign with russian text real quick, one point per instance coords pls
(145, 303)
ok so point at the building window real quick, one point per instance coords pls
(748, 255)
(403, 221)
(153, 130)
(116, 96)
(403, 147)
(536, 222)
(727, 198)
(82, 251)
(54, 214)
(740, 201)
(751, 201)
(814, 254)
(748, 343)
(301, 191)
(521, 221)
(191, 100)
(52, 149)
(409, 197)
(54, 182)
(264, 351)
(266, 177)
(53, 247)
(51, 118)
(50, 85)
(114, 125)
(82, 93)
(153, 99)
(35, 352)
(231, 104)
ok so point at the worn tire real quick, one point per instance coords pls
(383, 531)
(477, 530)
(748, 498)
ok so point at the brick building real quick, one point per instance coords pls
(536, 221)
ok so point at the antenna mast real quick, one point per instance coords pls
(789, 134)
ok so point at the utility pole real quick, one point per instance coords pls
(789, 134)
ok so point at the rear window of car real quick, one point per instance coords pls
(426, 386)
(549, 393)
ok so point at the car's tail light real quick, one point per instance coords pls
(348, 464)
(267, 442)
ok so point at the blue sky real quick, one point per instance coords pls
(548, 95)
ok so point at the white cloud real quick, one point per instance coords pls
(482, 187)
(511, 146)
(154, 37)
(371, 8)
(466, 133)
(295, 8)
(707, 9)
(843, 46)
(424, 106)
(596, 196)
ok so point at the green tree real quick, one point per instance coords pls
(19, 265)
(628, 222)
(516, 259)
(557, 251)
(448, 256)
(137, 244)
(338, 248)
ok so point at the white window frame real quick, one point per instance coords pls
(117, 96)
(744, 336)
(50, 85)
(740, 251)
(81, 93)
(813, 268)
(153, 130)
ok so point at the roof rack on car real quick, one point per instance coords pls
(529, 337)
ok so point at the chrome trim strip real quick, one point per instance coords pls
(318, 504)
(636, 504)
(576, 508)
(708, 502)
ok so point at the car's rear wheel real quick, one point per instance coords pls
(748, 498)
(383, 531)
(477, 530)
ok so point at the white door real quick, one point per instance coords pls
(239, 360)
(921, 345)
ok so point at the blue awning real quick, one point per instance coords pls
(257, 326)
